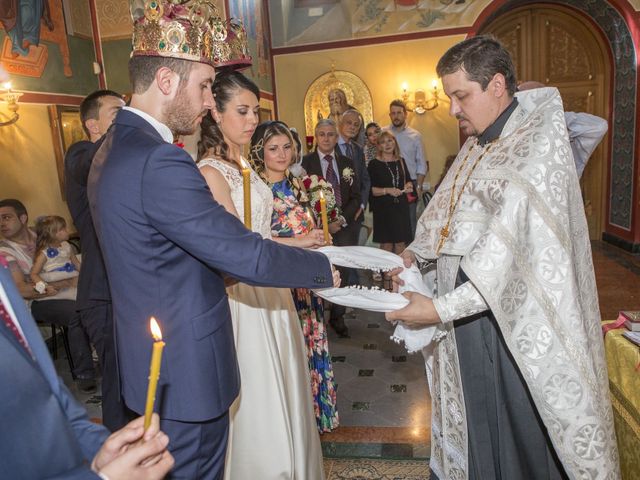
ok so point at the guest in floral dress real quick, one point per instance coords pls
(272, 152)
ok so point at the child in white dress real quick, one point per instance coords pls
(54, 258)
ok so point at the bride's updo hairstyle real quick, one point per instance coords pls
(226, 85)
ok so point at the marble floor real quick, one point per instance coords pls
(383, 397)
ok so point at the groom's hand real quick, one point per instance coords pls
(418, 313)
(396, 281)
(408, 257)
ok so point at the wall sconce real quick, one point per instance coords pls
(421, 104)
(11, 98)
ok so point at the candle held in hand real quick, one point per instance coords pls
(154, 370)
(246, 184)
(325, 221)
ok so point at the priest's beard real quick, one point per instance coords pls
(181, 116)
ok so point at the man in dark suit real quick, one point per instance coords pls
(167, 245)
(45, 432)
(349, 126)
(93, 301)
(328, 163)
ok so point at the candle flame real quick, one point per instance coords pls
(321, 194)
(155, 329)
(7, 85)
(405, 86)
(244, 163)
(434, 84)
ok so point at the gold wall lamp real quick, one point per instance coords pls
(11, 99)
(420, 103)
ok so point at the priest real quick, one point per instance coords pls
(519, 386)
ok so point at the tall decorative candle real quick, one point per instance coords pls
(154, 370)
(246, 184)
(323, 213)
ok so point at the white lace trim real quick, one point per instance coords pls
(261, 196)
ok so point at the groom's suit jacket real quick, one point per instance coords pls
(166, 244)
(45, 433)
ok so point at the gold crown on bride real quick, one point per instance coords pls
(188, 29)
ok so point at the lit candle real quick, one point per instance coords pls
(325, 222)
(246, 183)
(154, 370)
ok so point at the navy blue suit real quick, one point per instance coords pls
(166, 244)
(93, 301)
(45, 433)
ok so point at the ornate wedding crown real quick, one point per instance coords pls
(190, 30)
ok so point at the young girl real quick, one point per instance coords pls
(54, 258)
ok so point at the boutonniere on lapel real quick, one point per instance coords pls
(347, 175)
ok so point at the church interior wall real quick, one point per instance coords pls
(383, 68)
(28, 164)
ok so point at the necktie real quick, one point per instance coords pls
(4, 315)
(332, 178)
(348, 150)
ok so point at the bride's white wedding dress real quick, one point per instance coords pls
(273, 433)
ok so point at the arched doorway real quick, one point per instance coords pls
(559, 47)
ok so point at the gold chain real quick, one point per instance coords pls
(453, 204)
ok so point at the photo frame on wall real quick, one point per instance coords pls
(66, 129)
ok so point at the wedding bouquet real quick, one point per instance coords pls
(311, 186)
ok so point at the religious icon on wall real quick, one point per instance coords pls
(332, 94)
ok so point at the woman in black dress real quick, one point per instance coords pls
(389, 186)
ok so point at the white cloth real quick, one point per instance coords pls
(585, 133)
(272, 432)
(376, 300)
(520, 235)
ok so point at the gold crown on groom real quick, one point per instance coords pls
(188, 29)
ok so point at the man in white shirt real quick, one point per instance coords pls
(585, 131)
(410, 142)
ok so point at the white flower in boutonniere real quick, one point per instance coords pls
(347, 175)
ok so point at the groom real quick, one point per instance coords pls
(167, 244)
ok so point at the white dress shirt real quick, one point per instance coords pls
(160, 127)
(585, 133)
(324, 164)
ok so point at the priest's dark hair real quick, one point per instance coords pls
(226, 84)
(480, 58)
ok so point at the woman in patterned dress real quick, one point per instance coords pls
(272, 152)
(272, 432)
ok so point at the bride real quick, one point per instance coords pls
(272, 432)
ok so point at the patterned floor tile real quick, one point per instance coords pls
(369, 469)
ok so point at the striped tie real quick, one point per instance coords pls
(4, 315)
(332, 178)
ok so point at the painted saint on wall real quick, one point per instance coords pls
(21, 20)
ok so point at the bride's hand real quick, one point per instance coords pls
(313, 239)
(336, 277)
(418, 313)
